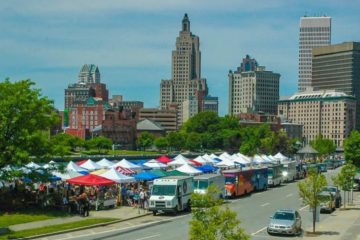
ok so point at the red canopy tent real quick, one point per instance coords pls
(196, 163)
(90, 180)
(164, 159)
(80, 162)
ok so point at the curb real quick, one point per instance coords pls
(83, 228)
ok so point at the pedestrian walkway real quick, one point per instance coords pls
(342, 224)
(120, 213)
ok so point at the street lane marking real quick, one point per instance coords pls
(303, 208)
(289, 195)
(148, 237)
(265, 204)
(253, 234)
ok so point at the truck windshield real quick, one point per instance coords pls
(229, 180)
(164, 190)
(270, 172)
(203, 184)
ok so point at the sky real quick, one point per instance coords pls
(131, 41)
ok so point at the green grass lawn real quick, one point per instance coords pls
(8, 219)
(55, 228)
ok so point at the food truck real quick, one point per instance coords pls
(260, 178)
(202, 182)
(171, 194)
(288, 171)
(238, 182)
(274, 175)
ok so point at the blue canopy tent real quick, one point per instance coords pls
(207, 168)
(140, 163)
(146, 176)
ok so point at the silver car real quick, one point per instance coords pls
(285, 221)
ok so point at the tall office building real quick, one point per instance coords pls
(338, 67)
(253, 89)
(314, 32)
(327, 112)
(186, 82)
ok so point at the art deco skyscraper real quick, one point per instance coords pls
(314, 32)
(186, 82)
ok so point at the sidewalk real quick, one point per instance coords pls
(121, 214)
(342, 224)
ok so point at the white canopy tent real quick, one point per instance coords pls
(66, 175)
(90, 165)
(224, 156)
(73, 167)
(281, 157)
(241, 161)
(266, 159)
(258, 159)
(32, 165)
(186, 168)
(50, 164)
(209, 159)
(181, 157)
(155, 164)
(201, 160)
(226, 163)
(179, 162)
(114, 175)
(213, 156)
(126, 164)
(105, 163)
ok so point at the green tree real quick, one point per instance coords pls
(309, 190)
(352, 148)
(161, 143)
(345, 178)
(323, 146)
(231, 139)
(193, 141)
(24, 117)
(63, 144)
(210, 221)
(202, 122)
(145, 140)
(176, 140)
(99, 143)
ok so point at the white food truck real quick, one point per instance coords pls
(171, 194)
(288, 171)
(202, 182)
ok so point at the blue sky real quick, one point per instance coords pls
(131, 40)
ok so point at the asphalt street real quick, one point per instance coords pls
(253, 211)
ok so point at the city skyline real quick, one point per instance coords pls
(131, 42)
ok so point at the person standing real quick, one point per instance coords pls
(142, 198)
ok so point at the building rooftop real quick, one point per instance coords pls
(149, 125)
(322, 94)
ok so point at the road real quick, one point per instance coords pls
(253, 211)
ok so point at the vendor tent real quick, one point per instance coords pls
(207, 168)
(105, 163)
(176, 173)
(186, 168)
(224, 156)
(32, 165)
(155, 164)
(125, 171)
(100, 171)
(266, 158)
(281, 157)
(80, 162)
(225, 163)
(196, 163)
(90, 180)
(90, 165)
(213, 156)
(51, 164)
(257, 159)
(180, 156)
(146, 176)
(179, 162)
(201, 160)
(126, 164)
(159, 172)
(73, 167)
(114, 175)
(163, 159)
(66, 175)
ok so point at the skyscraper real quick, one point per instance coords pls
(253, 89)
(337, 67)
(314, 32)
(186, 82)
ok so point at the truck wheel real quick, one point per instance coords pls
(154, 213)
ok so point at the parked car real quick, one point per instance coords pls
(322, 167)
(285, 221)
(336, 194)
(330, 164)
(328, 202)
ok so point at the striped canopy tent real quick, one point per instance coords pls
(126, 171)
(114, 175)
